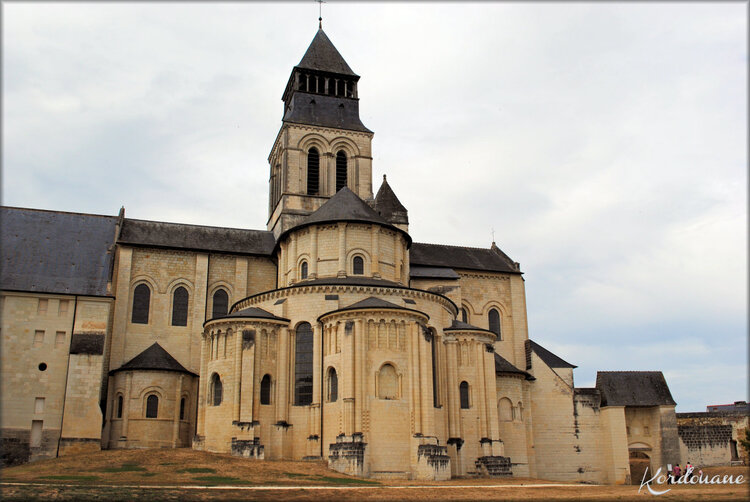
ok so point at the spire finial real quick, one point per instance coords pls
(493, 236)
(320, 13)
(384, 177)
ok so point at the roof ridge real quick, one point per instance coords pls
(39, 210)
(196, 225)
(453, 246)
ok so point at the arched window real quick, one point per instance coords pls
(303, 270)
(265, 389)
(141, 302)
(387, 382)
(340, 170)
(119, 407)
(152, 406)
(182, 409)
(519, 415)
(435, 394)
(505, 410)
(221, 303)
(494, 316)
(358, 265)
(180, 307)
(464, 315)
(463, 392)
(313, 171)
(216, 390)
(303, 365)
(333, 385)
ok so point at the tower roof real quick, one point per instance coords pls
(323, 56)
(345, 206)
(388, 206)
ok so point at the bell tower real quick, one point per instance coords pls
(322, 145)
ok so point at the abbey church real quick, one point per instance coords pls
(328, 336)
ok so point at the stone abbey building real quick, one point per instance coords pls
(330, 335)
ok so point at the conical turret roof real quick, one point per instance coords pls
(323, 56)
(388, 206)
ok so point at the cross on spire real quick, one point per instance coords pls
(320, 13)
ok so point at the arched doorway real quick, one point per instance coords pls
(639, 466)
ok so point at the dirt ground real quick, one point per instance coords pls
(187, 475)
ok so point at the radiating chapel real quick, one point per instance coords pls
(329, 336)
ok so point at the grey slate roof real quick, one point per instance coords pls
(55, 252)
(372, 302)
(460, 325)
(324, 111)
(633, 388)
(418, 272)
(196, 237)
(153, 358)
(253, 312)
(502, 365)
(439, 255)
(545, 355)
(321, 55)
(388, 206)
(345, 205)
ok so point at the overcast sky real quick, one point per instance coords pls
(605, 144)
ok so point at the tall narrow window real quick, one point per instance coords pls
(180, 307)
(333, 385)
(141, 301)
(152, 406)
(119, 407)
(464, 315)
(216, 390)
(340, 170)
(463, 391)
(494, 316)
(221, 303)
(358, 265)
(435, 396)
(265, 389)
(313, 171)
(182, 409)
(303, 270)
(303, 365)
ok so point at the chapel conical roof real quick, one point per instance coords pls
(345, 205)
(323, 56)
(153, 358)
(388, 206)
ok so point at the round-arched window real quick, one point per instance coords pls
(303, 270)
(358, 265)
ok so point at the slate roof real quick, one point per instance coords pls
(196, 237)
(545, 355)
(252, 312)
(55, 252)
(439, 255)
(153, 358)
(460, 325)
(373, 303)
(418, 272)
(324, 111)
(321, 55)
(633, 388)
(388, 206)
(345, 205)
(502, 365)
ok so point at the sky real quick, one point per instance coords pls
(605, 145)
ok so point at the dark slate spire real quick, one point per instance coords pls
(323, 56)
(388, 206)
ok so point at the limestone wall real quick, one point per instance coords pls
(703, 434)
(36, 338)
